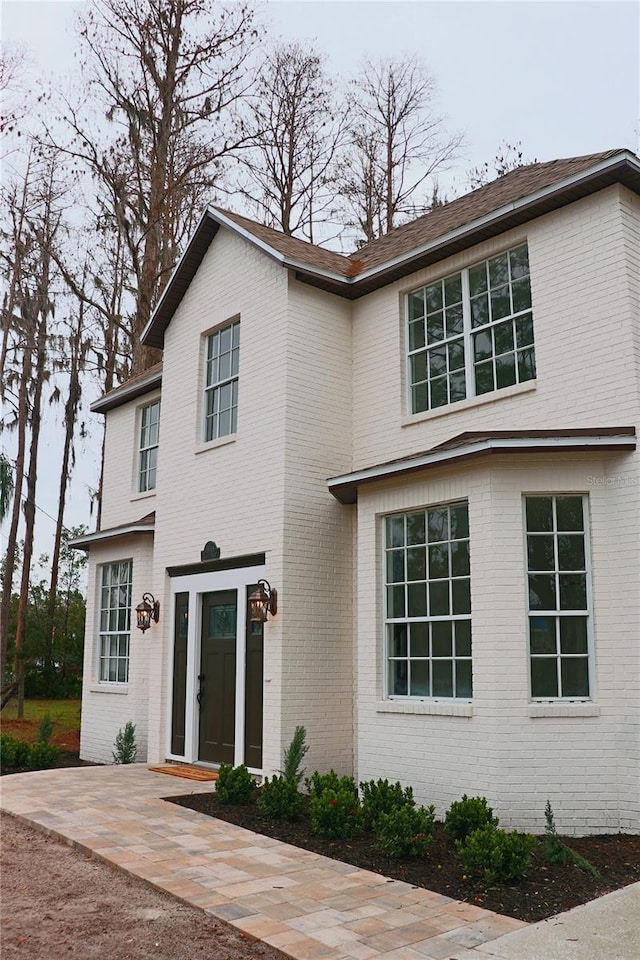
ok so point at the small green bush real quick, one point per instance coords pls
(406, 831)
(125, 747)
(8, 750)
(278, 799)
(294, 755)
(495, 854)
(42, 756)
(466, 815)
(45, 729)
(554, 850)
(234, 784)
(336, 813)
(380, 796)
(14, 753)
(317, 783)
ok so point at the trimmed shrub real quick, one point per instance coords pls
(406, 831)
(13, 753)
(336, 813)
(8, 750)
(278, 799)
(317, 783)
(495, 854)
(234, 784)
(466, 815)
(125, 747)
(380, 796)
(42, 756)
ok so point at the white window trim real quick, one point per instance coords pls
(202, 441)
(555, 706)
(406, 703)
(149, 491)
(467, 336)
(112, 685)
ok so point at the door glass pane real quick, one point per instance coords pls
(222, 620)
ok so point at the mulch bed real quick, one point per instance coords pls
(545, 891)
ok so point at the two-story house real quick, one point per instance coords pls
(428, 448)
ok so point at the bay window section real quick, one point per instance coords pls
(471, 333)
(559, 596)
(428, 603)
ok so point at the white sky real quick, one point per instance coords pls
(562, 77)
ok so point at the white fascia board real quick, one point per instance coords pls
(84, 542)
(383, 471)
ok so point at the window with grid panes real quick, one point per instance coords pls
(149, 435)
(115, 621)
(428, 603)
(221, 382)
(559, 596)
(471, 333)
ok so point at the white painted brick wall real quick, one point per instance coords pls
(106, 707)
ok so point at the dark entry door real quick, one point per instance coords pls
(253, 692)
(217, 680)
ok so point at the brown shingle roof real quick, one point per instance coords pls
(136, 386)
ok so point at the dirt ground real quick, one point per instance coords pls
(55, 902)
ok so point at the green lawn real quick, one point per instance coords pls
(65, 716)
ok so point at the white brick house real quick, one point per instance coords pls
(429, 449)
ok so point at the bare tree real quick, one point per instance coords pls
(509, 156)
(167, 77)
(296, 127)
(398, 142)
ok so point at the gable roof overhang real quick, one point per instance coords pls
(469, 446)
(351, 278)
(135, 387)
(144, 526)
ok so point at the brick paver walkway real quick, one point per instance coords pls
(306, 905)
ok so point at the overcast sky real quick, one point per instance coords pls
(562, 78)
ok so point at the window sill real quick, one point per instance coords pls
(461, 405)
(122, 689)
(426, 707)
(214, 444)
(142, 496)
(575, 708)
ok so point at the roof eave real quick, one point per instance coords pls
(345, 488)
(104, 536)
(116, 398)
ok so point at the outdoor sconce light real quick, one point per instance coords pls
(147, 611)
(263, 600)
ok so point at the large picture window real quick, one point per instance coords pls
(559, 596)
(149, 436)
(471, 333)
(115, 621)
(428, 603)
(221, 382)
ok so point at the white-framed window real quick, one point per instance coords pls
(471, 333)
(148, 456)
(428, 603)
(115, 621)
(221, 382)
(559, 588)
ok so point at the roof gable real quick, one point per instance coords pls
(513, 199)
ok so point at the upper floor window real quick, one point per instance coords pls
(471, 333)
(149, 433)
(428, 603)
(559, 596)
(115, 621)
(221, 382)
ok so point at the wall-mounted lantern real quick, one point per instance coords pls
(262, 601)
(147, 611)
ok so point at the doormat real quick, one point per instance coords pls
(189, 773)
